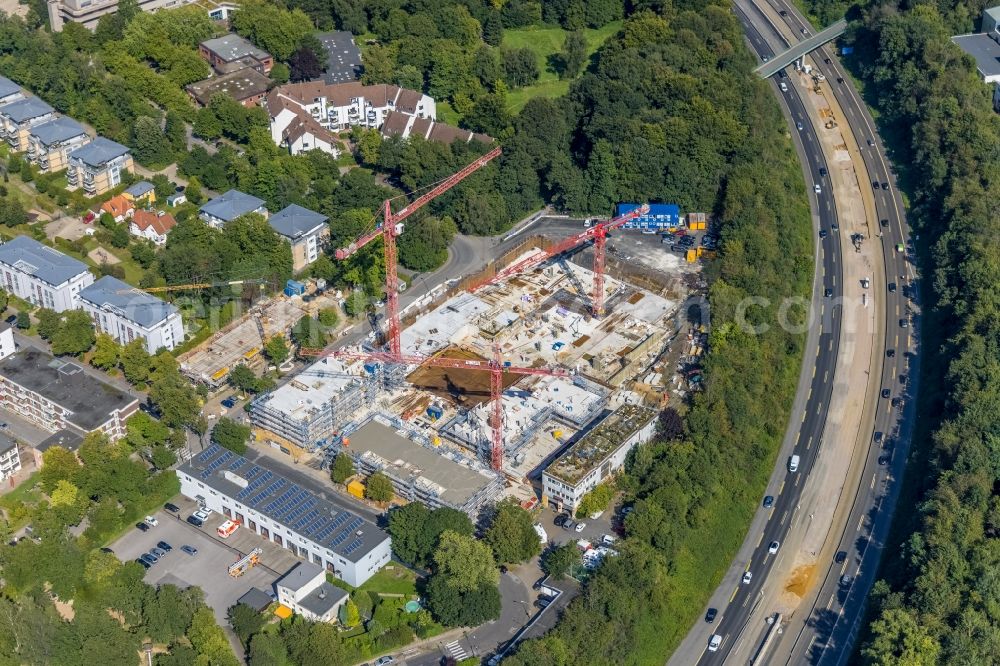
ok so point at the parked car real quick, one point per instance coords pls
(11, 319)
(382, 661)
(710, 615)
(201, 514)
(569, 524)
(542, 602)
(883, 460)
(143, 527)
(229, 402)
(878, 436)
(164, 545)
(144, 563)
(840, 557)
(561, 519)
(190, 550)
(845, 580)
(768, 501)
(580, 527)
(172, 508)
(194, 520)
(158, 552)
(150, 557)
(885, 393)
(152, 522)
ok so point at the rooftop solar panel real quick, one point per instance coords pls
(353, 546)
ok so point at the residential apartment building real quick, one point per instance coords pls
(9, 91)
(305, 230)
(338, 106)
(230, 53)
(18, 118)
(319, 528)
(126, 313)
(153, 225)
(597, 455)
(89, 12)
(41, 275)
(50, 143)
(306, 591)
(62, 395)
(98, 166)
(10, 458)
(405, 125)
(229, 206)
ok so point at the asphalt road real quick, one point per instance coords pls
(734, 616)
(827, 635)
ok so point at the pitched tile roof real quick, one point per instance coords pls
(117, 206)
(159, 221)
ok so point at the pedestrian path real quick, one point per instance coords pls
(456, 650)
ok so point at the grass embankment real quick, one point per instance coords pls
(547, 42)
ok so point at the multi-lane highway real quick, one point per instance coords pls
(732, 621)
(825, 635)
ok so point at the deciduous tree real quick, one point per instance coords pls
(342, 468)
(378, 488)
(231, 435)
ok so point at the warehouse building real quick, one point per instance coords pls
(597, 455)
(435, 478)
(319, 528)
(42, 276)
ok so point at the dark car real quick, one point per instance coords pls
(897, 401)
(710, 615)
(828, 292)
(822, 233)
(150, 557)
(190, 550)
(840, 557)
(870, 142)
(889, 353)
(163, 545)
(834, 226)
(878, 436)
(561, 519)
(874, 184)
(503, 568)
(826, 60)
(845, 580)
(902, 379)
(11, 319)
(783, 13)
(883, 460)
(840, 79)
(903, 323)
(768, 501)
(228, 403)
(885, 186)
(144, 563)
(172, 508)
(892, 287)
(885, 393)
(196, 521)
(142, 527)
(542, 602)
(822, 171)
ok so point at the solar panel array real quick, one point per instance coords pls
(285, 502)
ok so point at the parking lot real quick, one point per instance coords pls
(208, 568)
(593, 531)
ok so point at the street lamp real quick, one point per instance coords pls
(527, 613)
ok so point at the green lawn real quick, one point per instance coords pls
(398, 580)
(545, 42)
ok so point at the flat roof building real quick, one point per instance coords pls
(231, 52)
(986, 52)
(306, 591)
(322, 529)
(126, 313)
(343, 57)
(597, 455)
(41, 275)
(9, 91)
(247, 86)
(420, 474)
(10, 459)
(57, 394)
(304, 229)
(229, 206)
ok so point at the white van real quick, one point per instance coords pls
(793, 464)
(714, 643)
(783, 86)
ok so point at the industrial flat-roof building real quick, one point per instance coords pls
(247, 86)
(41, 275)
(57, 395)
(127, 313)
(343, 62)
(597, 455)
(321, 529)
(420, 474)
(230, 53)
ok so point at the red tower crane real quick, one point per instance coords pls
(392, 226)
(495, 366)
(597, 233)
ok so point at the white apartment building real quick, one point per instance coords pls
(7, 344)
(597, 455)
(305, 590)
(40, 275)
(227, 207)
(10, 459)
(313, 106)
(126, 313)
(321, 529)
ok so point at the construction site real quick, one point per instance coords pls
(474, 395)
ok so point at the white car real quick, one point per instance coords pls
(152, 522)
(201, 515)
(580, 527)
(773, 548)
(746, 577)
(714, 643)
(816, 188)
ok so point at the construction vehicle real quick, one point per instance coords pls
(242, 565)
(598, 233)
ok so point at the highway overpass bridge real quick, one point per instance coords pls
(796, 51)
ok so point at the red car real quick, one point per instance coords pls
(89, 217)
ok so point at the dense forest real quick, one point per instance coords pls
(701, 128)
(937, 601)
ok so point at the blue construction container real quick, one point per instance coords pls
(371, 367)
(294, 288)
(660, 217)
(435, 412)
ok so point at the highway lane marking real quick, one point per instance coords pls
(734, 595)
(861, 520)
(814, 377)
(784, 517)
(828, 605)
(760, 539)
(746, 601)
(826, 376)
(833, 279)
(872, 486)
(780, 488)
(796, 484)
(829, 344)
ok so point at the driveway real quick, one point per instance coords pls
(68, 227)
